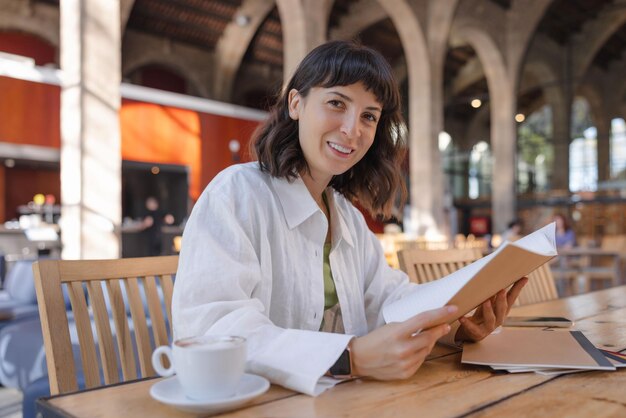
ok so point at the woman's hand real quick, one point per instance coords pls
(393, 351)
(489, 315)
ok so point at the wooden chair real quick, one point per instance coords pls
(427, 265)
(134, 274)
(540, 287)
(424, 266)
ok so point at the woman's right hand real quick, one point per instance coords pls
(393, 351)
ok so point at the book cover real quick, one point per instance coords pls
(536, 348)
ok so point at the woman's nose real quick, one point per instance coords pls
(350, 126)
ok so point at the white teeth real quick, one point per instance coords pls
(340, 148)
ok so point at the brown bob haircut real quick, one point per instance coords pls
(375, 180)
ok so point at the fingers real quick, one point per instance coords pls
(428, 319)
(501, 307)
(489, 316)
(515, 291)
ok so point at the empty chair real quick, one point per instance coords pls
(141, 278)
(427, 265)
(424, 266)
(540, 287)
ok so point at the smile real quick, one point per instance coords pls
(337, 147)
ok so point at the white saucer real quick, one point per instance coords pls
(170, 392)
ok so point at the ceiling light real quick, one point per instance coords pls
(476, 103)
(520, 117)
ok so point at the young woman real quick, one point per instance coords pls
(275, 251)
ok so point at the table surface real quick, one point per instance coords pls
(442, 387)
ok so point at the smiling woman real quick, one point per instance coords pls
(275, 251)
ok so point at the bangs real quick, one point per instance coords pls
(343, 64)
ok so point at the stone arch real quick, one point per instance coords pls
(40, 20)
(420, 90)
(174, 62)
(233, 45)
(362, 14)
(594, 36)
(502, 108)
(304, 26)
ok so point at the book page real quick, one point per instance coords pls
(499, 269)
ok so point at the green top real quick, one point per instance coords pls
(330, 291)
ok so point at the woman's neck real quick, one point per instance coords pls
(316, 187)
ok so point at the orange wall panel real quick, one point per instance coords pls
(30, 113)
(160, 134)
(217, 132)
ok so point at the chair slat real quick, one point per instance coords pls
(103, 328)
(167, 284)
(142, 337)
(55, 328)
(156, 313)
(122, 331)
(85, 335)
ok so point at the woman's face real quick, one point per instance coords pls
(336, 127)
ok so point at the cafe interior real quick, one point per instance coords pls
(116, 114)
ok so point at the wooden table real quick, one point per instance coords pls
(443, 387)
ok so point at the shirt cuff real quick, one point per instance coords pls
(298, 360)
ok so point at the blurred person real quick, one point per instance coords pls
(152, 224)
(565, 236)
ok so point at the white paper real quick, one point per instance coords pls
(436, 294)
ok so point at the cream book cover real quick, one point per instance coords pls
(536, 348)
(471, 285)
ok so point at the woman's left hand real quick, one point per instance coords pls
(489, 315)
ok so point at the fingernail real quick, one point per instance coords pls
(452, 309)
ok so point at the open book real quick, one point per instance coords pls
(473, 284)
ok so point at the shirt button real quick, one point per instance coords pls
(316, 254)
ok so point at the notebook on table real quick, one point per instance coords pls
(519, 349)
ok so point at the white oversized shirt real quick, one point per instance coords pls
(251, 265)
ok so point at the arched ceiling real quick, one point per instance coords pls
(201, 23)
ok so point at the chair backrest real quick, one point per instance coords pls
(540, 287)
(424, 266)
(427, 265)
(135, 275)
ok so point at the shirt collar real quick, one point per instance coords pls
(298, 205)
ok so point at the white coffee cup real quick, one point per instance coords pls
(208, 367)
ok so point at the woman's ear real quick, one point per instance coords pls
(294, 104)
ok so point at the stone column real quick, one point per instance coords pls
(90, 131)
(561, 133)
(503, 140)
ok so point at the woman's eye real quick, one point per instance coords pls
(370, 117)
(335, 103)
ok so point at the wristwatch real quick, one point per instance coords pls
(342, 369)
